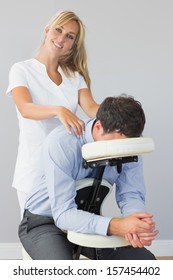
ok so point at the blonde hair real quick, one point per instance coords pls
(76, 60)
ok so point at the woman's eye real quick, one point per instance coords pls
(58, 30)
(69, 36)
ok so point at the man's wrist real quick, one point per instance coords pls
(114, 226)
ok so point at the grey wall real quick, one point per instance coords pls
(130, 49)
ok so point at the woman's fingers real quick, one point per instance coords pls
(77, 126)
(70, 120)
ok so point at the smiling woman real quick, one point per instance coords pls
(59, 40)
(62, 38)
(66, 33)
(47, 90)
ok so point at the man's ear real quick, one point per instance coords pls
(97, 130)
(98, 125)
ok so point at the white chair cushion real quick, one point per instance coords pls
(96, 241)
(117, 148)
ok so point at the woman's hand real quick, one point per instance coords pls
(70, 120)
(28, 109)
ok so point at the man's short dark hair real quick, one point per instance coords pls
(123, 114)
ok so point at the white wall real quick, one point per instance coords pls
(130, 49)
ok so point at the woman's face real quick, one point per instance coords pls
(60, 39)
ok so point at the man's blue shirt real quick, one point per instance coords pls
(61, 165)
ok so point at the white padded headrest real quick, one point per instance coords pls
(117, 148)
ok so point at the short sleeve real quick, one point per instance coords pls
(82, 83)
(17, 77)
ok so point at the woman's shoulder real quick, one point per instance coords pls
(27, 66)
(21, 64)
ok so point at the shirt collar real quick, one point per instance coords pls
(88, 131)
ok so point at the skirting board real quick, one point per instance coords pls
(13, 251)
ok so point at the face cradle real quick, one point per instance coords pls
(61, 39)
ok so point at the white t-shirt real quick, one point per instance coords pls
(33, 75)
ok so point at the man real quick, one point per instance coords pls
(51, 209)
